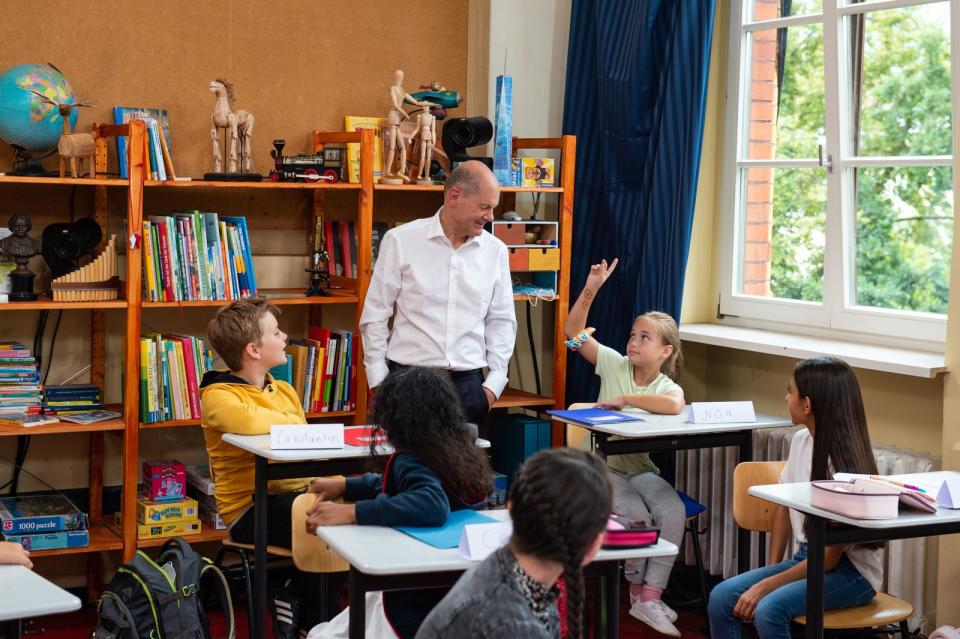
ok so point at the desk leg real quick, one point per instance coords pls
(358, 605)
(613, 599)
(744, 454)
(10, 629)
(815, 553)
(260, 546)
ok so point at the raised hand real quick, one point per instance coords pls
(599, 273)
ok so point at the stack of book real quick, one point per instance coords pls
(171, 368)
(68, 399)
(20, 389)
(165, 518)
(197, 256)
(159, 163)
(200, 486)
(43, 522)
(320, 368)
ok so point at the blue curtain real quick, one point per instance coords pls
(635, 98)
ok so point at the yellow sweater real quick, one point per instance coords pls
(231, 405)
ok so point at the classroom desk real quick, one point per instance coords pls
(846, 530)
(24, 593)
(291, 464)
(673, 432)
(386, 559)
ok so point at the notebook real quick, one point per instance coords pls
(595, 416)
(447, 535)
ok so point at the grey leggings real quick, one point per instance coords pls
(649, 498)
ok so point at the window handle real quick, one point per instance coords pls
(825, 161)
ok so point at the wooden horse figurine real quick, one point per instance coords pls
(239, 124)
(75, 147)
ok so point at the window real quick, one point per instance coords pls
(838, 197)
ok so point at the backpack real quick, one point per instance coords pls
(161, 599)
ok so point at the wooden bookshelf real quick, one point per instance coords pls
(180, 423)
(280, 297)
(266, 184)
(515, 398)
(439, 187)
(102, 538)
(63, 427)
(59, 181)
(206, 534)
(44, 303)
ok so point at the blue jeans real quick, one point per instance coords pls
(843, 587)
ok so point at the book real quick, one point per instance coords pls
(90, 416)
(362, 436)
(40, 513)
(122, 115)
(199, 477)
(355, 123)
(22, 418)
(595, 416)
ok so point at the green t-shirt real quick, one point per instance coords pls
(616, 379)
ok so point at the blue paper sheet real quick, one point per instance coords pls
(595, 416)
(447, 535)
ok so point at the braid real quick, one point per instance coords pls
(559, 503)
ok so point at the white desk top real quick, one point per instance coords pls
(797, 496)
(667, 425)
(378, 550)
(260, 445)
(24, 593)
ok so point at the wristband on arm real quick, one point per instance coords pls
(578, 340)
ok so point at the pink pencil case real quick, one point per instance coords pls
(622, 533)
(860, 501)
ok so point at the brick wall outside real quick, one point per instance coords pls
(758, 216)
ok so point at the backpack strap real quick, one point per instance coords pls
(226, 601)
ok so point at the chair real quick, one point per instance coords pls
(693, 510)
(243, 552)
(312, 554)
(884, 613)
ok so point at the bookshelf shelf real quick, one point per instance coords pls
(62, 427)
(534, 298)
(58, 181)
(439, 187)
(206, 534)
(266, 184)
(277, 296)
(102, 538)
(515, 398)
(180, 423)
(45, 303)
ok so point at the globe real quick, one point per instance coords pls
(26, 120)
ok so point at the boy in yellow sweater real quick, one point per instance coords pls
(247, 400)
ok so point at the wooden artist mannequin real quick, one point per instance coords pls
(427, 133)
(394, 138)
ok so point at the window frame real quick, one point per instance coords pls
(836, 315)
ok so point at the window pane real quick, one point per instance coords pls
(783, 233)
(904, 237)
(772, 9)
(785, 93)
(904, 97)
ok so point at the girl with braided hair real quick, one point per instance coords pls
(436, 468)
(556, 531)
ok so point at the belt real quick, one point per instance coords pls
(454, 375)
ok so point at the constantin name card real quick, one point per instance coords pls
(306, 436)
(479, 540)
(722, 412)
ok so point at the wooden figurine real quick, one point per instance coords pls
(239, 125)
(76, 148)
(393, 138)
(21, 247)
(427, 135)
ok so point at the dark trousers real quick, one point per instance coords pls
(473, 399)
(307, 585)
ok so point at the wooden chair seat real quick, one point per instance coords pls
(271, 550)
(310, 553)
(883, 610)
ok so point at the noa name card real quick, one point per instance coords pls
(306, 436)
(479, 540)
(721, 412)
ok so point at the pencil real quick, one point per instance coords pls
(898, 483)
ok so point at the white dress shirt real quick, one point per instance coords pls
(451, 309)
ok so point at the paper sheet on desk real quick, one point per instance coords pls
(943, 484)
(447, 535)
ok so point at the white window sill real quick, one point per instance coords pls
(878, 358)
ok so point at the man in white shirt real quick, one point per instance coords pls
(446, 284)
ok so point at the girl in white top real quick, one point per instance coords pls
(639, 379)
(824, 396)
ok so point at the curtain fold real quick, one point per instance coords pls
(635, 98)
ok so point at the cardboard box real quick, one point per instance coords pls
(181, 528)
(154, 512)
(164, 480)
(536, 172)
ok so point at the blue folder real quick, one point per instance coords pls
(595, 416)
(447, 535)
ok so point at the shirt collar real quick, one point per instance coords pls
(435, 230)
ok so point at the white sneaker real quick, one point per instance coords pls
(654, 614)
(671, 613)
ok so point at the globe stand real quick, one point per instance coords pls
(26, 164)
(22, 284)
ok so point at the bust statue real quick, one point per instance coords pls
(21, 247)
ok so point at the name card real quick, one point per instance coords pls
(722, 412)
(479, 540)
(306, 436)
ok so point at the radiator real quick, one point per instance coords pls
(707, 476)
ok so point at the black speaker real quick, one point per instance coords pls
(64, 244)
(461, 134)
